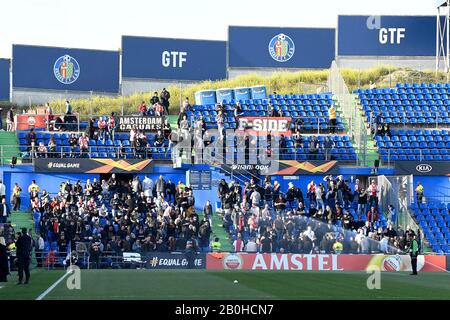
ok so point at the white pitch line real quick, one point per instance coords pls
(53, 286)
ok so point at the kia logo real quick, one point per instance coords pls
(424, 168)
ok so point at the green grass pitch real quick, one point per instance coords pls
(219, 285)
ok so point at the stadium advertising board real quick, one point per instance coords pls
(245, 168)
(165, 260)
(261, 126)
(266, 47)
(422, 168)
(126, 123)
(386, 36)
(322, 262)
(199, 179)
(293, 167)
(54, 68)
(28, 121)
(284, 167)
(173, 59)
(5, 80)
(86, 165)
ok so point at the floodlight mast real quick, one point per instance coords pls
(443, 35)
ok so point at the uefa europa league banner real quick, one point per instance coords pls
(92, 165)
(422, 168)
(261, 126)
(322, 262)
(53, 68)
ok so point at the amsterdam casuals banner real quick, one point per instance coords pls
(424, 168)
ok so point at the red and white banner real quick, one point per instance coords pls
(322, 262)
(261, 126)
(28, 121)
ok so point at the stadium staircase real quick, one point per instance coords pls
(9, 147)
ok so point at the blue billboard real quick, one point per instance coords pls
(386, 36)
(265, 47)
(173, 59)
(4, 79)
(55, 68)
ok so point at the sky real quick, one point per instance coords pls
(99, 24)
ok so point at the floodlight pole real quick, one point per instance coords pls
(443, 35)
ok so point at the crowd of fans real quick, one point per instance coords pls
(109, 217)
(263, 218)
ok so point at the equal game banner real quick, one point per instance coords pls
(126, 123)
(173, 59)
(166, 260)
(56, 68)
(322, 262)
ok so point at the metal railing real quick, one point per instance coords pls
(347, 104)
(391, 155)
(112, 152)
(26, 121)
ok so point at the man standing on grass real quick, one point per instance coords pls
(17, 190)
(2, 190)
(24, 246)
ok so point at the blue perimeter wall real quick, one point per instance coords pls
(51, 182)
(437, 187)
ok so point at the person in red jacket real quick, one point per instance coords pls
(143, 108)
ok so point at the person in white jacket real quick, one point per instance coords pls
(251, 246)
(2, 190)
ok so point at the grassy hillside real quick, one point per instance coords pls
(307, 81)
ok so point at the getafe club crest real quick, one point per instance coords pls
(281, 48)
(66, 69)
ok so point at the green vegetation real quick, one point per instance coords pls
(307, 81)
(254, 285)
